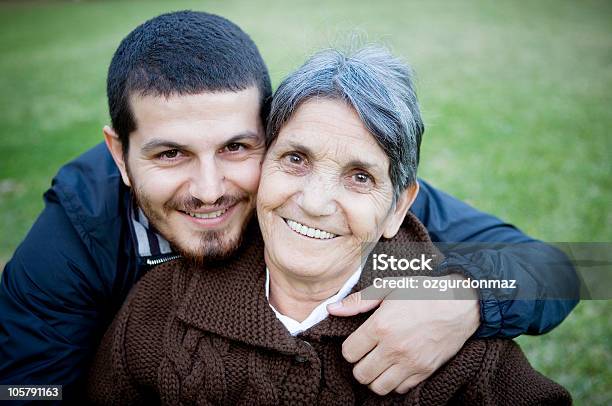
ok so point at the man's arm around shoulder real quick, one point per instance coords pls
(535, 266)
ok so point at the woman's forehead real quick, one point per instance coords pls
(332, 128)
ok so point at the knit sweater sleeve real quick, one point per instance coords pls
(110, 381)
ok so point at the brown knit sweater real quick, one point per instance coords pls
(209, 336)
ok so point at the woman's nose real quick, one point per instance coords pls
(318, 197)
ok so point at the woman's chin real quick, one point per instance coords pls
(302, 266)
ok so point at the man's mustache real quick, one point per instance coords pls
(190, 203)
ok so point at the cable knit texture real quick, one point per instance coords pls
(208, 337)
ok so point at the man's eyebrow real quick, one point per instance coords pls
(155, 144)
(243, 136)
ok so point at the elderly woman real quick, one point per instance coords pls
(340, 173)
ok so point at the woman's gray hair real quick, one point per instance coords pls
(377, 85)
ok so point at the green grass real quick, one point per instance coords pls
(516, 97)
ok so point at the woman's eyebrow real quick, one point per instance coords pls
(358, 163)
(298, 147)
(353, 163)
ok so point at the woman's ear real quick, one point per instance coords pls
(404, 201)
(114, 145)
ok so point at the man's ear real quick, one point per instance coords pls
(404, 201)
(115, 147)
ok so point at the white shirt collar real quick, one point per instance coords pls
(319, 313)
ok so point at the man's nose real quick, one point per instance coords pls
(318, 197)
(208, 181)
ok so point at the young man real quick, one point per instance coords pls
(188, 97)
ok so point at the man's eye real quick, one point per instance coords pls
(170, 154)
(234, 147)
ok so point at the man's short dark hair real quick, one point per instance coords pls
(182, 53)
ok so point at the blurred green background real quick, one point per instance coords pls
(516, 96)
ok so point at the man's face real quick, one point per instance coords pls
(194, 164)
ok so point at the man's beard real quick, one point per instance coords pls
(214, 245)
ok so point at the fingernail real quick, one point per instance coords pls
(335, 306)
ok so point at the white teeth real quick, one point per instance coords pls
(212, 215)
(309, 231)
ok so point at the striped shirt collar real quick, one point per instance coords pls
(149, 243)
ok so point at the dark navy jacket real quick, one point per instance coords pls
(70, 275)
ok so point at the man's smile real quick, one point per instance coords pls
(210, 218)
(209, 215)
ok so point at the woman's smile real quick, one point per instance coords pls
(310, 232)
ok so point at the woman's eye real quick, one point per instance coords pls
(362, 178)
(360, 181)
(294, 163)
(294, 159)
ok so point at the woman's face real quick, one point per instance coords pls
(325, 192)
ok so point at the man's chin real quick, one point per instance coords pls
(210, 250)
(201, 247)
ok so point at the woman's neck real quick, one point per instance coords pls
(296, 296)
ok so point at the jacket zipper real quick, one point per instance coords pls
(158, 261)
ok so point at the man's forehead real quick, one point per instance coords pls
(172, 103)
(204, 117)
